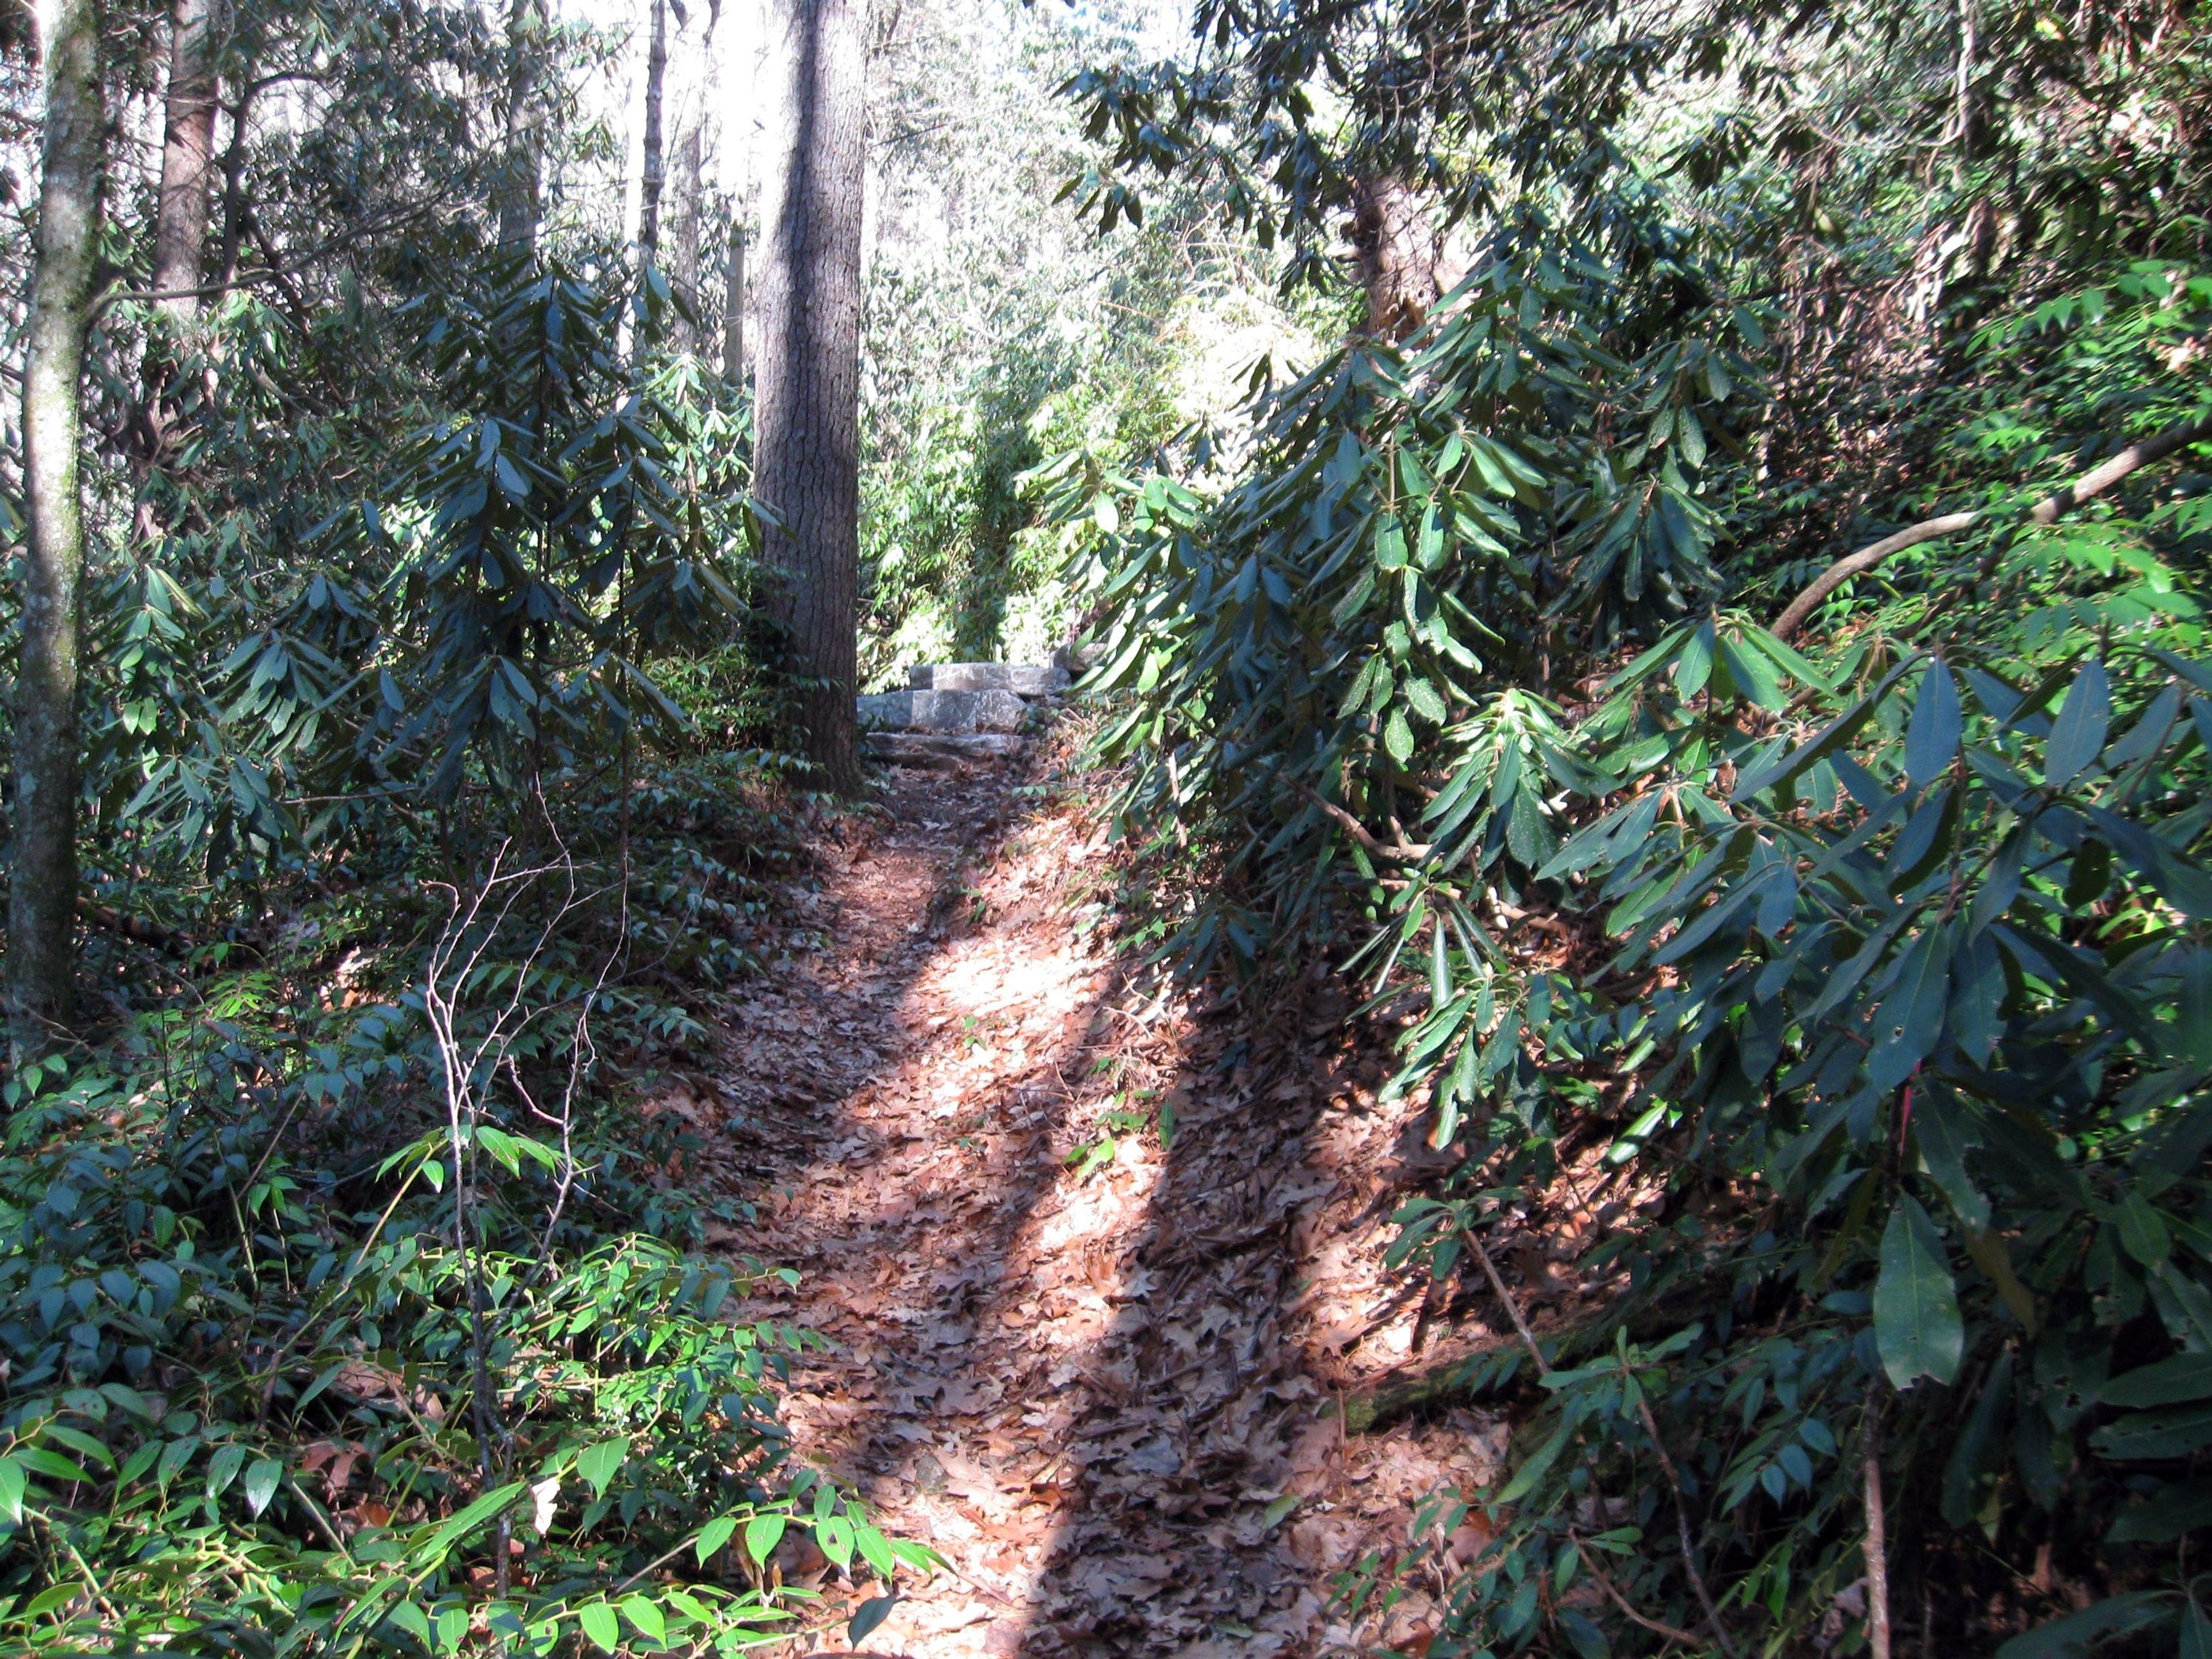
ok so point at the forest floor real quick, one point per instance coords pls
(1107, 1379)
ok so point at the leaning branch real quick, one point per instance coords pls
(2090, 485)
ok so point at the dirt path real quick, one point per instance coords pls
(1103, 1378)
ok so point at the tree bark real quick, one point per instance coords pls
(187, 147)
(683, 258)
(654, 169)
(733, 308)
(1397, 255)
(235, 208)
(42, 893)
(525, 126)
(806, 379)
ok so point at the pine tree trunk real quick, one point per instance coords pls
(806, 379)
(187, 149)
(42, 893)
(525, 126)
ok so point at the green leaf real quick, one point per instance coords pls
(1911, 1016)
(2184, 1506)
(598, 1464)
(2153, 1437)
(871, 1613)
(1526, 1477)
(1695, 665)
(2196, 1629)
(763, 1534)
(2076, 1634)
(1916, 1327)
(2173, 1381)
(261, 1483)
(714, 1536)
(13, 1485)
(223, 1467)
(645, 1612)
(1940, 1131)
(2142, 1231)
(876, 1550)
(2077, 736)
(1398, 736)
(411, 1618)
(598, 1622)
(1931, 742)
(432, 1553)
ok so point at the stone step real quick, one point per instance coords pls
(1022, 679)
(995, 710)
(939, 751)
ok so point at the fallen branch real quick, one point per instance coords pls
(137, 929)
(2090, 485)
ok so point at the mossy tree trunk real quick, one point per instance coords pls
(42, 891)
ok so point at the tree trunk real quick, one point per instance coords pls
(1397, 256)
(683, 258)
(525, 126)
(733, 308)
(234, 209)
(654, 169)
(806, 381)
(187, 146)
(180, 220)
(42, 893)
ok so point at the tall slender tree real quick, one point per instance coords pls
(733, 304)
(807, 377)
(187, 147)
(653, 167)
(42, 892)
(526, 125)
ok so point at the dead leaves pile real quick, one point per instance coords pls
(1103, 1377)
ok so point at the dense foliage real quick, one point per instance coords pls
(1851, 981)
(354, 1301)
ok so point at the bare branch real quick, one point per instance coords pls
(2090, 485)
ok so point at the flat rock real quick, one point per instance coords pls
(1022, 679)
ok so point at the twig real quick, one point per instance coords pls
(1650, 1427)
(1877, 1549)
(1682, 1530)
(1657, 1627)
(2090, 485)
(1512, 1307)
(1403, 853)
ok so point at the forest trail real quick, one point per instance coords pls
(1104, 1379)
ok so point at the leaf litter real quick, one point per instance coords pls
(1105, 1377)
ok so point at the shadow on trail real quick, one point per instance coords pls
(1089, 1377)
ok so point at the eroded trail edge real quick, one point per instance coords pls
(1104, 1375)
